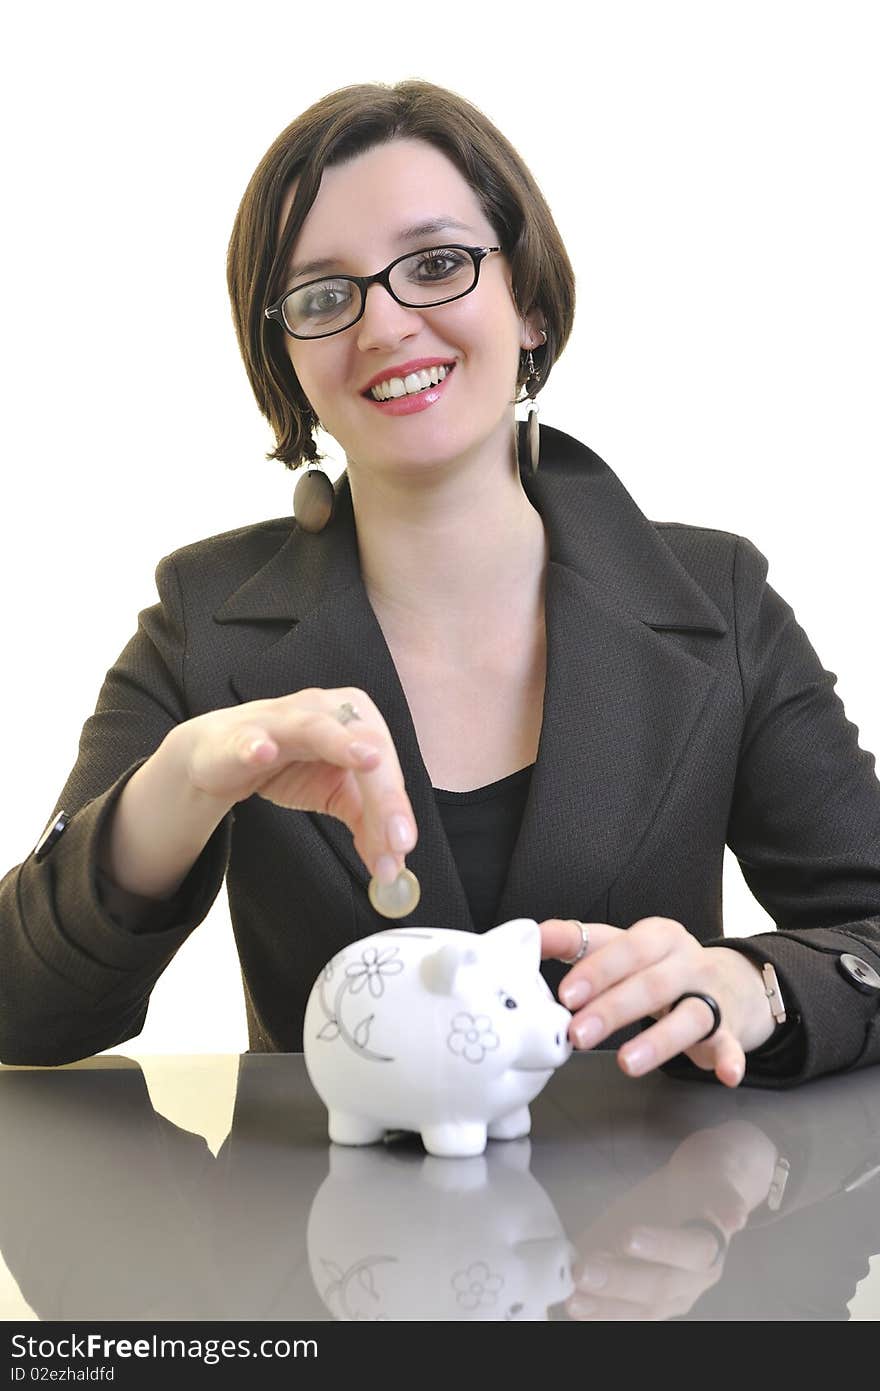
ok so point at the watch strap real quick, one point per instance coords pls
(773, 993)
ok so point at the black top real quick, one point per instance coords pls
(482, 826)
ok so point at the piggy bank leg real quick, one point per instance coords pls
(514, 1126)
(455, 1139)
(346, 1129)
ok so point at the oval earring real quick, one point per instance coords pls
(532, 431)
(314, 499)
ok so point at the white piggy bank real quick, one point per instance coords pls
(447, 1033)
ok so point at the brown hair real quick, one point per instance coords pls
(340, 126)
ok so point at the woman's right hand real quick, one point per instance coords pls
(294, 751)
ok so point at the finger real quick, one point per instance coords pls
(681, 1031)
(305, 732)
(631, 959)
(594, 1308)
(561, 938)
(307, 726)
(729, 1059)
(640, 994)
(235, 760)
(637, 1282)
(389, 826)
(694, 1249)
(722, 1054)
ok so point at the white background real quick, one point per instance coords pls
(712, 169)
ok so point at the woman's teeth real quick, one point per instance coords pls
(406, 386)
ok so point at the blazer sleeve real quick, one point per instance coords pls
(78, 957)
(804, 825)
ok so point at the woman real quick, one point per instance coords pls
(558, 709)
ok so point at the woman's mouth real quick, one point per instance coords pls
(416, 401)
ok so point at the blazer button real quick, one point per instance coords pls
(51, 834)
(858, 973)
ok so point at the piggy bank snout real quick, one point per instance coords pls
(546, 1043)
(562, 1040)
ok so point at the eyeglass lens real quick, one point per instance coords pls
(426, 277)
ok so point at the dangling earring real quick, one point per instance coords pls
(314, 500)
(534, 442)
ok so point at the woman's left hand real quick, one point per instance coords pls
(629, 974)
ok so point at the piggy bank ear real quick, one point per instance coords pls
(518, 940)
(439, 970)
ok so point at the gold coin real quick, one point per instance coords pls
(398, 898)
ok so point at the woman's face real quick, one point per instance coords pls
(355, 219)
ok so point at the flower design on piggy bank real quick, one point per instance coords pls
(477, 1286)
(472, 1036)
(369, 971)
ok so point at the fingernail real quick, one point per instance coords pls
(400, 833)
(575, 993)
(386, 869)
(595, 1276)
(581, 1304)
(642, 1242)
(590, 1031)
(638, 1058)
(362, 751)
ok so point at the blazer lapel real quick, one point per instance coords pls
(620, 705)
(314, 580)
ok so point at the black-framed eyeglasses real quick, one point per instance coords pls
(418, 279)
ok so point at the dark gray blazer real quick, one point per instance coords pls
(684, 709)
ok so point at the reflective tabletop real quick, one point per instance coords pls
(685, 1200)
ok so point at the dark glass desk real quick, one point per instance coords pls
(762, 1205)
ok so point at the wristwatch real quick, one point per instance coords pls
(773, 993)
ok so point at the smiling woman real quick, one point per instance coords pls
(454, 173)
(505, 682)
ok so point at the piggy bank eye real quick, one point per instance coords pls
(509, 1003)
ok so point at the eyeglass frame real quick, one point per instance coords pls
(382, 277)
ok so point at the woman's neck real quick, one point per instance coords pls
(464, 545)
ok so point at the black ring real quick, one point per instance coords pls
(713, 1005)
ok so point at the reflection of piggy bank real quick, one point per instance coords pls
(443, 1032)
(397, 1235)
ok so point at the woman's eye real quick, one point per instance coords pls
(323, 300)
(326, 298)
(444, 265)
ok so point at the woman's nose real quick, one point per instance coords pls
(384, 319)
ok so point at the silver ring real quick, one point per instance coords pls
(346, 712)
(585, 944)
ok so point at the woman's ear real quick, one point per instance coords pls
(535, 329)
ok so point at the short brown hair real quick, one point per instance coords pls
(340, 126)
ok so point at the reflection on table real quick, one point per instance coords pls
(750, 1204)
